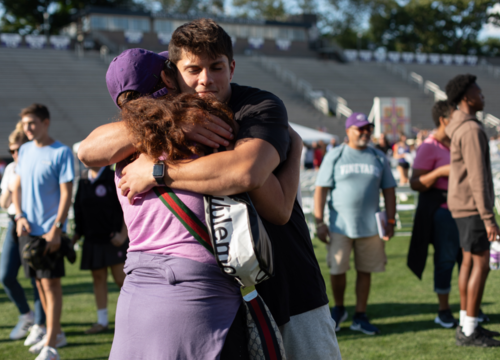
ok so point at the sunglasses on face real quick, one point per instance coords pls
(12, 152)
(367, 128)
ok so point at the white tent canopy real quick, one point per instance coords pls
(309, 135)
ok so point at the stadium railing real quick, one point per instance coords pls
(323, 100)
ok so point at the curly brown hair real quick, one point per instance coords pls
(155, 125)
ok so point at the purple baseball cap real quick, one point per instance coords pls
(135, 69)
(358, 120)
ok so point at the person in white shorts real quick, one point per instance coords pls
(353, 174)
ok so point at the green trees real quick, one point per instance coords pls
(264, 9)
(445, 26)
(26, 16)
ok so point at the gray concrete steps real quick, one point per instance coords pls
(441, 74)
(359, 83)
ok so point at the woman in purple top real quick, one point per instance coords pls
(175, 302)
(431, 169)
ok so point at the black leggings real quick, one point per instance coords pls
(235, 346)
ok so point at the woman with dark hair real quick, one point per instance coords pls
(401, 149)
(433, 221)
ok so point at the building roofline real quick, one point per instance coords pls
(162, 15)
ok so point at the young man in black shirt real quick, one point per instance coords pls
(296, 295)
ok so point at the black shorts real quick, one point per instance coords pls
(404, 165)
(57, 272)
(100, 255)
(473, 235)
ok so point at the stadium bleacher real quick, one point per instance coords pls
(441, 74)
(73, 89)
(359, 83)
(301, 112)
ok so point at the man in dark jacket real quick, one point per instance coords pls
(471, 201)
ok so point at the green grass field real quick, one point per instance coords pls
(403, 308)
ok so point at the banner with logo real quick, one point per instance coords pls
(283, 44)
(365, 55)
(421, 58)
(391, 116)
(408, 57)
(36, 41)
(164, 38)
(60, 42)
(256, 43)
(394, 56)
(351, 55)
(11, 40)
(133, 37)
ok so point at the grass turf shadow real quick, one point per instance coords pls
(386, 310)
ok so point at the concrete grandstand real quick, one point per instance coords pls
(74, 89)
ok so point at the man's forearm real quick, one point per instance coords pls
(16, 195)
(275, 199)
(230, 172)
(390, 202)
(64, 202)
(320, 195)
(106, 145)
(425, 181)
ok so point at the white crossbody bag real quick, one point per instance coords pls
(240, 241)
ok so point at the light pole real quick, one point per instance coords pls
(46, 25)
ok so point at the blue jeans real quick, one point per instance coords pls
(10, 262)
(447, 250)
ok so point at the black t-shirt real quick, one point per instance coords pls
(97, 209)
(298, 285)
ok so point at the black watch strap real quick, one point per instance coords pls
(159, 172)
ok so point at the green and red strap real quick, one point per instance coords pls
(185, 216)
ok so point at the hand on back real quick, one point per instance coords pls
(213, 132)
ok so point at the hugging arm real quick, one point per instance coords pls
(243, 169)
(274, 201)
(110, 143)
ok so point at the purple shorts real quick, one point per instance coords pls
(173, 308)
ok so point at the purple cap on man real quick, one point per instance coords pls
(358, 120)
(135, 69)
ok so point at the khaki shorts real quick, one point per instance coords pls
(369, 254)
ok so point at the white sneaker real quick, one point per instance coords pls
(23, 326)
(35, 335)
(48, 353)
(60, 342)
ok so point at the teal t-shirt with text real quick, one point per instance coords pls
(355, 178)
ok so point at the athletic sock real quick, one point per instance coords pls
(29, 315)
(463, 314)
(470, 324)
(102, 317)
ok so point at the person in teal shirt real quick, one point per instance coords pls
(353, 174)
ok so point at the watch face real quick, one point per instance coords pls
(158, 170)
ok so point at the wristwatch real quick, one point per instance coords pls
(159, 172)
(59, 225)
